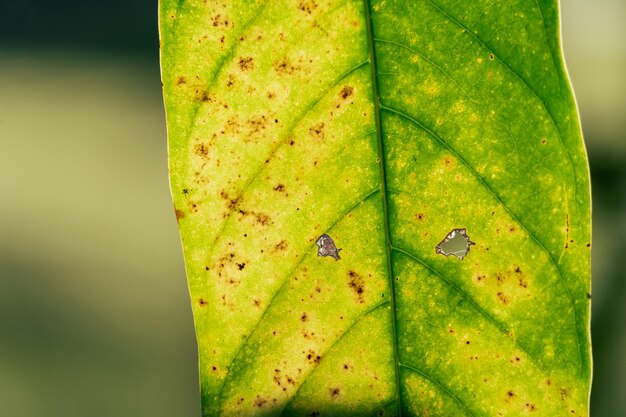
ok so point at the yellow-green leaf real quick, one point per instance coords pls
(389, 126)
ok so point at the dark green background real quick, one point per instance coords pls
(94, 312)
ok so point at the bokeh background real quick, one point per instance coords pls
(95, 317)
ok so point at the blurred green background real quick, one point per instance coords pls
(95, 317)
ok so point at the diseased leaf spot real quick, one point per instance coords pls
(317, 131)
(491, 57)
(181, 80)
(246, 63)
(201, 150)
(285, 67)
(259, 401)
(218, 20)
(503, 298)
(312, 357)
(304, 317)
(202, 302)
(334, 392)
(307, 6)
(179, 214)
(280, 188)
(530, 407)
(346, 92)
(241, 266)
(357, 284)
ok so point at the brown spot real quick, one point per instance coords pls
(202, 302)
(491, 57)
(419, 217)
(204, 97)
(292, 142)
(201, 150)
(451, 331)
(285, 67)
(334, 392)
(357, 284)
(544, 141)
(346, 92)
(218, 20)
(515, 359)
(181, 80)
(241, 266)
(345, 366)
(214, 368)
(282, 245)
(246, 63)
(259, 401)
(480, 278)
(193, 206)
(510, 394)
(304, 317)
(307, 6)
(522, 283)
(588, 296)
(317, 131)
(179, 214)
(262, 219)
(280, 188)
(256, 303)
(503, 298)
(548, 382)
(313, 357)
(530, 407)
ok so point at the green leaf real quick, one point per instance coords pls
(385, 125)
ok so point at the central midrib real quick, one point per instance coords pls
(383, 193)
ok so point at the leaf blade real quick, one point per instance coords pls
(387, 158)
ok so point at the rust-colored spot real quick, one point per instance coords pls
(214, 368)
(181, 80)
(530, 407)
(219, 20)
(312, 357)
(260, 401)
(419, 217)
(503, 298)
(317, 131)
(304, 317)
(285, 67)
(280, 188)
(201, 150)
(346, 92)
(262, 219)
(246, 63)
(334, 392)
(357, 284)
(202, 302)
(491, 57)
(307, 6)
(179, 214)
(282, 245)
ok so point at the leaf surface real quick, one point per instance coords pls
(385, 125)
